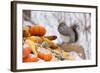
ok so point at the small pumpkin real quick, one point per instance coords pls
(44, 54)
(30, 59)
(37, 30)
(46, 57)
(41, 55)
(26, 52)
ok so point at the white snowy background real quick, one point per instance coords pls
(51, 20)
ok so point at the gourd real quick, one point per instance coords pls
(44, 54)
(46, 57)
(32, 46)
(26, 52)
(30, 59)
(37, 30)
(36, 39)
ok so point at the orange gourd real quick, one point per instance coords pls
(30, 59)
(40, 55)
(37, 30)
(26, 52)
(46, 57)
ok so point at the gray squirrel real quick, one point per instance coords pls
(69, 34)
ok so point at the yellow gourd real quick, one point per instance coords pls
(32, 46)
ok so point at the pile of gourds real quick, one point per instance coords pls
(37, 47)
